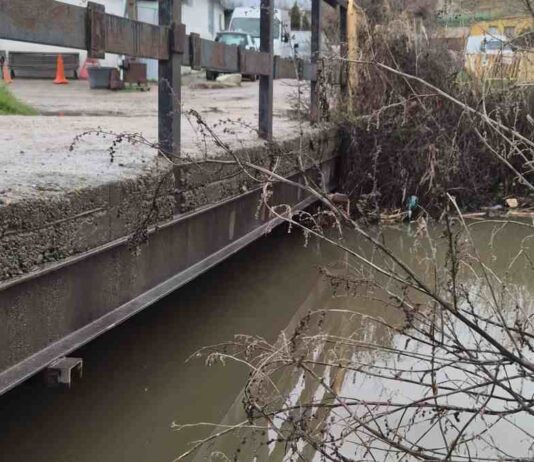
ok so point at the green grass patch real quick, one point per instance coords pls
(9, 105)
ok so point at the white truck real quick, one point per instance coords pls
(247, 19)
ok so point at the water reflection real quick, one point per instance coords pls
(136, 381)
(354, 376)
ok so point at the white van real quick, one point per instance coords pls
(247, 19)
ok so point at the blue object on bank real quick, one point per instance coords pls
(411, 205)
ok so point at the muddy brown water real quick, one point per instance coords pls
(136, 379)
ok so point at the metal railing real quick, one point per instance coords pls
(50, 22)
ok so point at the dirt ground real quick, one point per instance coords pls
(35, 155)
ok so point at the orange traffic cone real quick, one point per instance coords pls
(60, 73)
(6, 74)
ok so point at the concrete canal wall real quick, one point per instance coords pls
(70, 269)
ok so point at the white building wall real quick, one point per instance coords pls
(204, 17)
(116, 7)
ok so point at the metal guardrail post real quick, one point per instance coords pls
(266, 81)
(170, 84)
(315, 53)
(343, 48)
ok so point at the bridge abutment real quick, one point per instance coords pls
(75, 266)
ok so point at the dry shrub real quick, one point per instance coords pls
(406, 139)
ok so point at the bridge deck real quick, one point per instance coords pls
(34, 151)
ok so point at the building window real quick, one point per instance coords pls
(509, 32)
(493, 30)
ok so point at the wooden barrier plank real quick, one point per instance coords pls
(43, 21)
(133, 38)
(255, 63)
(49, 22)
(285, 68)
(219, 57)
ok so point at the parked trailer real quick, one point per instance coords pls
(42, 65)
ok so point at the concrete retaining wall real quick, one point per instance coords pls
(81, 274)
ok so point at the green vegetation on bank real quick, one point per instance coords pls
(9, 105)
(465, 20)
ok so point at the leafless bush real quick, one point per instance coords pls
(431, 358)
(430, 129)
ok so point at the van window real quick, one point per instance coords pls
(252, 26)
(232, 39)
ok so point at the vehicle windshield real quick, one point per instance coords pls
(495, 45)
(233, 39)
(252, 26)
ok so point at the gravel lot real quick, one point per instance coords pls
(35, 155)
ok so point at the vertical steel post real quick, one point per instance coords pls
(353, 21)
(266, 81)
(170, 84)
(131, 8)
(343, 47)
(315, 53)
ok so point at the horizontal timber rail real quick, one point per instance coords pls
(50, 22)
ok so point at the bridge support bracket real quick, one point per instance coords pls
(61, 371)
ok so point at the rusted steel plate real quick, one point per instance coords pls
(53, 23)
(186, 54)
(134, 38)
(285, 68)
(255, 63)
(43, 21)
(195, 51)
(96, 16)
(219, 57)
(178, 39)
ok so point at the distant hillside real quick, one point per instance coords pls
(492, 7)
(466, 12)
